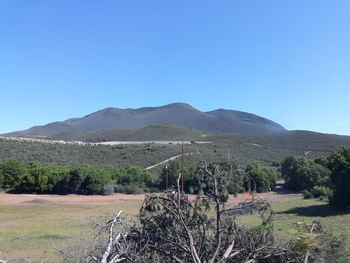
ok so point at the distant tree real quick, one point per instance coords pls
(169, 175)
(339, 163)
(263, 179)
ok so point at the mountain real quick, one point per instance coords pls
(180, 114)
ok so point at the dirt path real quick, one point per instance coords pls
(167, 160)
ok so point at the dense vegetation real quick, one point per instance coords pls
(150, 133)
(321, 177)
(34, 178)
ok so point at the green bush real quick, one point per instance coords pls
(307, 194)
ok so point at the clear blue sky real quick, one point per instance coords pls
(288, 61)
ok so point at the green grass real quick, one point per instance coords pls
(295, 209)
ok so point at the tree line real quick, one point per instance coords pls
(19, 177)
(32, 177)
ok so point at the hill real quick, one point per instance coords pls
(180, 114)
(243, 149)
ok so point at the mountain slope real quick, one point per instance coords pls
(180, 114)
(161, 132)
(240, 148)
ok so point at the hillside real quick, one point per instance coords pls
(162, 132)
(180, 114)
(241, 148)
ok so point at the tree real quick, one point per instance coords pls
(301, 173)
(263, 179)
(75, 178)
(94, 181)
(339, 163)
(35, 180)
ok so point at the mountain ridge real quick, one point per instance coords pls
(219, 121)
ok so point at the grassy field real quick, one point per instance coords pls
(26, 227)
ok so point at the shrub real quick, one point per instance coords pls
(307, 194)
(128, 189)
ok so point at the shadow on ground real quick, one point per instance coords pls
(281, 190)
(322, 210)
